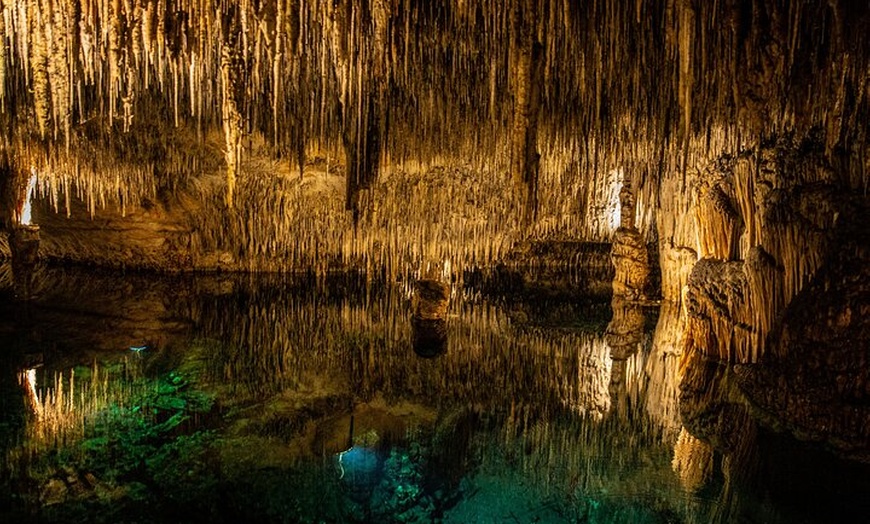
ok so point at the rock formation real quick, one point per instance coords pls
(629, 253)
(429, 317)
(765, 221)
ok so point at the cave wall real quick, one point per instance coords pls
(767, 221)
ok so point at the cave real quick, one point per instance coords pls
(434, 261)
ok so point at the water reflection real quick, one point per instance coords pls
(305, 397)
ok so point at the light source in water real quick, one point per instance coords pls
(138, 349)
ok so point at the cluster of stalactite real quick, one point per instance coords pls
(649, 86)
(409, 222)
(765, 222)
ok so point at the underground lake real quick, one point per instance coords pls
(142, 398)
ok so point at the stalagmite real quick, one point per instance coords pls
(629, 253)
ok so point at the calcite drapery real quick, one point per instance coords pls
(765, 222)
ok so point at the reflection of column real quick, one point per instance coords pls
(24, 245)
(692, 462)
(662, 369)
(625, 330)
(623, 336)
(429, 317)
(712, 411)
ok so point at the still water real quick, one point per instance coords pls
(133, 398)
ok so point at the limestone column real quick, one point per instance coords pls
(629, 254)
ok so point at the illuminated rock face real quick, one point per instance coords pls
(766, 222)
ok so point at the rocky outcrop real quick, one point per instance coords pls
(553, 269)
(158, 236)
(816, 384)
(765, 222)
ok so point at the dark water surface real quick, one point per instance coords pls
(133, 398)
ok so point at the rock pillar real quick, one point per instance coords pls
(429, 317)
(629, 254)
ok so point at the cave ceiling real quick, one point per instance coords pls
(124, 87)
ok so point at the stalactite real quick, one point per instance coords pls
(115, 55)
(686, 29)
(655, 88)
(232, 84)
(59, 75)
(3, 57)
(526, 55)
(39, 64)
